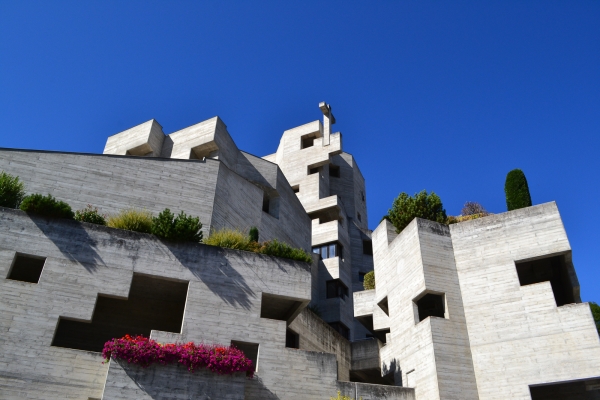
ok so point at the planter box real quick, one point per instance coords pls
(170, 382)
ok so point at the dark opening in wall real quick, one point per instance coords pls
(308, 140)
(26, 268)
(361, 276)
(265, 206)
(153, 303)
(314, 170)
(271, 204)
(383, 304)
(431, 305)
(250, 350)
(334, 170)
(359, 217)
(367, 322)
(292, 339)
(279, 307)
(296, 189)
(368, 247)
(336, 288)
(552, 269)
(578, 390)
(341, 329)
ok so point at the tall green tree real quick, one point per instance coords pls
(516, 190)
(422, 205)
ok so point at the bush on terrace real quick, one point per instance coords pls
(47, 206)
(12, 190)
(131, 220)
(369, 282)
(422, 205)
(180, 228)
(90, 214)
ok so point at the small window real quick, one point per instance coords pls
(334, 170)
(329, 250)
(335, 288)
(341, 329)
(296, 189)
(362, 195)
(368, 247)
(430, 305)
(359, 217)
(307, 140)
(292, 339)
(361, 276)
(265, 206)
(26, 268)
(551, 269)
(314, 170)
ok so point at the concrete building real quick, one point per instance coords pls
(484, 309)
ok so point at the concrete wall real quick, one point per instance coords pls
(518, 336)
(83, 261)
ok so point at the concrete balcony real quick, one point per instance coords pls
(329, 232)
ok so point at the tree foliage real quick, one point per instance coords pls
(180, 228)
(12, 190)
(253, 234)
(369, 282)
(596, 314)
(47, 206)
(90, 214)
(516, 190)
(472, 208)
(422, 205)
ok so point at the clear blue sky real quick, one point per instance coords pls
(443, 96)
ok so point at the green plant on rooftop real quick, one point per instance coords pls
(47, 206)
(12, 190)
(369, 280)
(516, 190)
(253, 234)
(596, 314)
(180, 228)
(131, 220)
(422, 205)
(90, 214)
(235, 239)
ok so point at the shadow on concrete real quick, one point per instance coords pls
(256, 389)
(211, 266)
(72, 239)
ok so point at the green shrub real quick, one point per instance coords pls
(369, 282)
(253, 234)
(12, 190)
(131, 220)
(284, 250)
(596, 314)
(230, 239)
(236, 240)
(422, 205)
(47, 206)
(516, 190)
(180, 228)
(463, 218)
(90, 214)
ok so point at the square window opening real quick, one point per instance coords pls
(431, 305)
(550, 269)
(296, 189)
(250, 351)
(368, 247)
(336, 288)
(334, 170)
(314, 170)
(26, 268)
(292, 339)
(279, 307)
(308, 140)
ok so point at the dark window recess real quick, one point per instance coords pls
(296, 189)
(430, 305)
(153, 303)
(383, 304)
(362, 195)
(361, 276)
(307, 140)
(314, 170)
(578, 390)
(26, 268)
(359, 216)
(273, 306)
(250, 351)
(335, 288)
(266, 202)
(552, 269)
(292, 339)
(341, 329)
(334, 170)
(329, 250)
(368, 247)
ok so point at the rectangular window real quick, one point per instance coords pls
(359, 217)
(329, 250)
(296, 189)
(334, 170)
(368, 247)
(335, 288)
(26, 268)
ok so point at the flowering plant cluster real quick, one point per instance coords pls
(144, 352)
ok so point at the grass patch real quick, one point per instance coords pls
(237, 240)
(131, 220)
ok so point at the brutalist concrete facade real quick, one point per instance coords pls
(484, 309)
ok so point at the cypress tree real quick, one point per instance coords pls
(517, 190)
